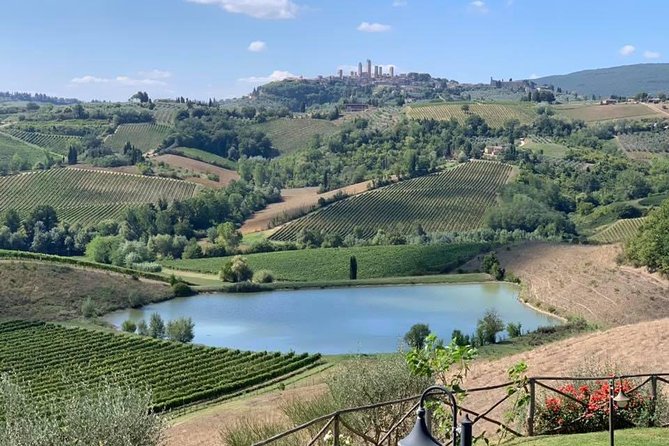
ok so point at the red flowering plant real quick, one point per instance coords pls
(588, 411)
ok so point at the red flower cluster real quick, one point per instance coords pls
(588, 408)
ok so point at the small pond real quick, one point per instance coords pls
(339, 320)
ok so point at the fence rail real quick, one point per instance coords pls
(335, 423)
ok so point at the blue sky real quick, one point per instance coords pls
(107, 49)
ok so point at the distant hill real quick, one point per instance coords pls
(626, 80)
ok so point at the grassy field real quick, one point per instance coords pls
(206, 157)
(494, 113)
(312, 265)
(145, 137)
(57, 143)
(10, 146)
(177, 374)
(539, 144)
(454, 200)
(620, 231)
(596, 112)
(52, 292)
(87, 196)
(289, 135)
(627, 437)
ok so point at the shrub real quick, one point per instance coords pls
(135, 299)
(488, 327)
(129, 326)
(142, 328)
(110, 414)
(149, 267)
(514, 330)
(180, 289)
(415, 337)
(180, 330)
(236, 270)
(156, 326)
(263, 276)
(88, 308)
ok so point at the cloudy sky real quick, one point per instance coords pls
(107, 49)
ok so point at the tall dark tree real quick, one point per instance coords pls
(353, 268)
(72, 155)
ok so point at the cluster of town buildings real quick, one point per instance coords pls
(367, 72)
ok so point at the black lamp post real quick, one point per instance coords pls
(420, 434)
(621, 400)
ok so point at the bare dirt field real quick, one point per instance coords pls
(226, 176)
(584, 280)
(295, 201)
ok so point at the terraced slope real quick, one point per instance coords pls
(11, 147)
(620, 231)
(177, 374)
(87, 196)
(145, 137)
(495, 113)
(289, 135)
(454, 200)
(56, 143)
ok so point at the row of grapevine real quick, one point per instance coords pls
(289, 135)
(177, 374)
(57, 143)
(652, 142)
(620, 231)
(494, 114)
(87, 196)
(166, 112)
(454, 200)
(145, 137)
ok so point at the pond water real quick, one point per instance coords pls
(338, 320)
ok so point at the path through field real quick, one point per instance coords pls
(295, 201)
(659, 109)
(585, 280)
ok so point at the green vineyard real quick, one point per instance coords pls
(178, 374)
(166, 112)
(454, 200)
(495, 114)
(620, 231)
(12, 148)
(289, 135)
(87, 196)
(145, 137)
(56, 143)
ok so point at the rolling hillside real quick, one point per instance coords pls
(626, 80)
(453, 200)
(12, 147)
(87, 196)
(289, 135)
(495, 114)
(145, 137)
(57, 143)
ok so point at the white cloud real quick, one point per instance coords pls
(400, 3)
(257, 46)
(534, 76)
(479, 6)
(627, 50)
(149, 78)
(367, 27)
(651, 54)
(277, 75)
(259, 9)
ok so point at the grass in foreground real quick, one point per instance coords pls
(627, 437)
(327, 264)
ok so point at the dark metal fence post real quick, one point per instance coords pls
(612, 384)
(653, 404)
(532, 409)
(335, 430)
(465, 432)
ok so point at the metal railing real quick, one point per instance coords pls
(336, 425)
